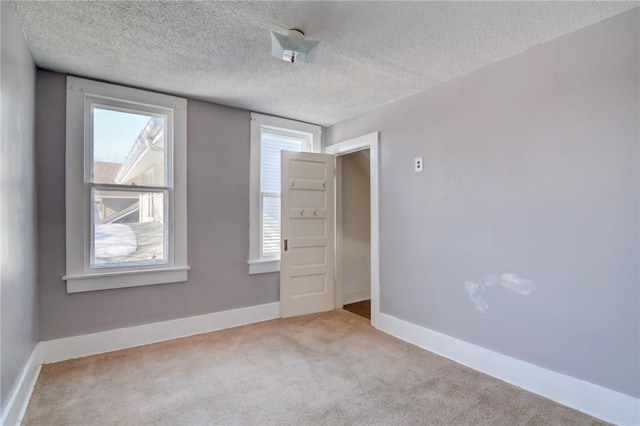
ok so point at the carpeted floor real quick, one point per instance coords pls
(323, 369)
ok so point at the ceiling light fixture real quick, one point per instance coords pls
(293, 47)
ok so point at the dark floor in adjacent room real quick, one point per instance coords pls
(360, 308)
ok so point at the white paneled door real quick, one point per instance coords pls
(307, 233)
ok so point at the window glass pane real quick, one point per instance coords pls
(270, 225)
(270, 148)
(128, 228)
(128, 148)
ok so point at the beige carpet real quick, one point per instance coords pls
(323, 369)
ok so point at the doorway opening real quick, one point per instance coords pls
(353, 231)
(357, 226)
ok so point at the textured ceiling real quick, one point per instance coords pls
(371, 53)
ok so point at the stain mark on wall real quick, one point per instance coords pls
(477, 292)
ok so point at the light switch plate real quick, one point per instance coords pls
(417, 164)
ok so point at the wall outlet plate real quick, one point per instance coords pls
(417, 164)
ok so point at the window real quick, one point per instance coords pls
(269, 136)
(125, 187)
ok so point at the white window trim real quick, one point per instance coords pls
(79, 276)
(258, 264)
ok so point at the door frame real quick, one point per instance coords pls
(371, 142)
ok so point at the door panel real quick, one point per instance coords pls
(308, 285)
(307, 224)
(307, 228)
(311, 170)
(310, 199)
(301, 256)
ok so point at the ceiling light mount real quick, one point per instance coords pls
(296, 33)
(293, 47)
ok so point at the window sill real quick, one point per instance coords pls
(121, 279)
(263, 266)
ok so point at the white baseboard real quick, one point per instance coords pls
(113, 340)
(122, 338)
(589, 398)
(19, 398)
(597, 401)
(357, 296)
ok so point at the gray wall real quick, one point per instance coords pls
(356, 222)
(19, 306)
(218, 214)
(531, 168)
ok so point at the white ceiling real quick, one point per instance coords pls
(371, 53)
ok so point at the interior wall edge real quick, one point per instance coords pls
(18, 203)
(21, 393)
